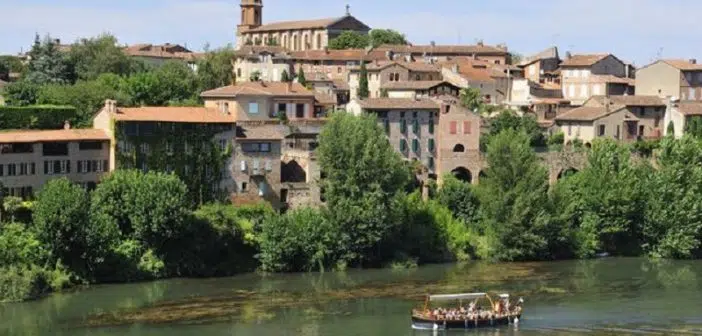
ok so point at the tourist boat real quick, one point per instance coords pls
(502, 312)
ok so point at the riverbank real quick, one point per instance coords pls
(623, 296)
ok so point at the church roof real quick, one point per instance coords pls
(303, 24)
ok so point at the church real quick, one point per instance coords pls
(292, 35)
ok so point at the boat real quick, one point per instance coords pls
(502, 312)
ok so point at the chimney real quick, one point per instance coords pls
(66, 125)
(224, 108)
(111, 106)
(480, 43)
(693, 61)
(568, 55)
(288, 86)
(326, 50)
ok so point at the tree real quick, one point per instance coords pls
(301, 77)
(512, 198)
(527, 123)
(363, 82)
(386, 36)
(150, 208)
(215, 69)
(255, 76)
(470, 99)
(21, 93)
(459, 197)
(693, 126)
(364, 176)
(11, 204)
(349, 40)
(61, 223)
(12, 64)
(515, 58)
(47, 64)
(285, 77)
(92, 57)
(4, 71)
(172, 81)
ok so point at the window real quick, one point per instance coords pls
(188, 149)
(415, 114)
(431, 126)
(253, 108)
(688, 76)
(169, 148)
(386, 124)
(415, 127)
(601, 130)
(415, 145)
(466, 127)
(691, 94)
(244, 186)
(497, 61)
(300, 111)
(2, 170)
(17, 148)
(642, 130)
(431, 145)
(255, 147)
(55, 149)
(453, 127)
(403, 126)
(430, 163)
(90, 145)
(11, 169)
(223, 143)
(417, 77)
(616, 135)
(403, 145)
(238, 72)
(144, 148)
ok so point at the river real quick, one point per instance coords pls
(615, 296)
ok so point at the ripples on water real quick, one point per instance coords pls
(599, 297)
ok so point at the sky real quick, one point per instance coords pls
(637, 31)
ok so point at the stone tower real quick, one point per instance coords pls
(251, 15)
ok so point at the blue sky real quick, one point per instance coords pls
(634, 30)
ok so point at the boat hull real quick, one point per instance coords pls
(428, 324)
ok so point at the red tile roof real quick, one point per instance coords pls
(651, 101)
(582, 60)
(338, 55)
(588, 113)
(690, 108)
(398, 104)
(166, 51)
(445, 49)
(260, 89)
(295, 25)
(28, 136)
(413, 85)
(173, 114)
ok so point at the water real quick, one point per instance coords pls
(599, 297)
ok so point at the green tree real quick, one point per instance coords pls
(285, 77)
(386, 36)
(471, 99)
(512, 198)
(673, 222)
(215, 69)
(47, 64)
(301, 77)
(20, 246)
(11, 204)
(61, 223)
(21, 93)
(363, 83)
(510, 120)
(92, 57)
(693, 126)
(255, 76)
(364, 176)
(173, 81)
(349, 40)
(12, 64)
(459, 197)
(4, 71)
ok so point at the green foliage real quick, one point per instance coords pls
(47, 64)
(693, 126)
(20, 246)
(92, 57)
(555, 139)
(255, 76)
(386, 36)
(644, 148)
(35, 117)
(671, 129)
(21, 93)
(301, 240)
(19, 283)
(513, 197)
(61, 223)
(527, 123)
(12, 64)
(349, 40)
(171, 81)
(471, 98)
(301, 77)
(11, 205)
(459, 197)
(363, 82)
(285, 77)
(215, 69)
(364, 176)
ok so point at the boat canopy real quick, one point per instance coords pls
(465, 296)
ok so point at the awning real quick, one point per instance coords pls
(465, 296)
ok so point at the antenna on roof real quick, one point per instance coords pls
(348, 10)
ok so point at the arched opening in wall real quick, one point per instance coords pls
(307, 45)
(567, 172)
(293, 172)
(463, 174)
(285, 42)
(459, 148)
(588, 145)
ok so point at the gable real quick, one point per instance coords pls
(610, 59)
(349, 23)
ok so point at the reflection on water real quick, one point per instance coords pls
(598, 297)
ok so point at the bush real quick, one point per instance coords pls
(19, 283)
(19, 246)
(36, 117)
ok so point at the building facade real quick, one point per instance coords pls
(681, 79)
(380, 73)
(262, 63)
(30, 159)
(292, 35)
(583, 76)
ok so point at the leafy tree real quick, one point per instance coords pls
(255, 76)
(61, 223)
(693, 126)
(349, 40)
(363, 82)
(459, 197)
(557, 138)
(471, 98)
(21, 93)
(512, 198)
(150, 208)
(285, 77)
(301, 77)
(386, 36)
(92, 57)
(527, 123)
(47, 64)
(215, 69)
(4, 71)
(12, 64)
(515, 58)
(364, 176)
(673, 222)
(20, 246)
(173, 81)
(11, 204)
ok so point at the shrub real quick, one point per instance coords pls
(20, 246)
(19, 283)
(35, 117)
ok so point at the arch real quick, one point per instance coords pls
(463, 174)
(567, 172)
(293, 172)
(319, 41)
(588, 145)
(284, 41)
(459, 148)
(296, 43)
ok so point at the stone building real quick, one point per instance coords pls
(537, 68)
(458, 135)
(586, 75)
(156, 55)
(268, 63)
(334, 64)
(292, 35)
(257, 164)
(29, 159)
(681, 79)
(380, 73)
(432, 52)
(420, 89)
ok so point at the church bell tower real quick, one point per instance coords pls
(251, 15)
